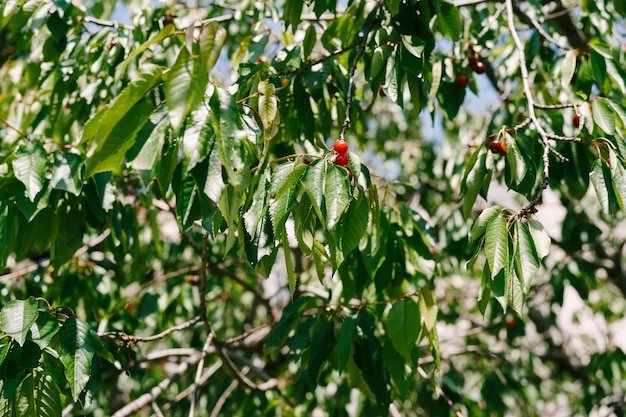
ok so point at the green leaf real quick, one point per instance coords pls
(166, 32)
(313, 184)
(184, 88)
(391, 77)
(67, 174)
(540, 238)
(514, 292)
(619, 177)
(336, 194)
(308, 43)
(354, 223)
(322, 344)
(268, 105)
(293, 12)
(305, 222)
(345, 337)
(428, 308)
(76, 351)
(414, 45)
(99, 127)
(396, 365)
(497, 245)
(110, 132)
(378, 60)
(258, 208)
(449, 20)
(404, 326)
(568, 67)
(603, 115)
(44, 329)
(146, 152)
(285, 196)
(480, 225)
(17, 317)
(526, 260)
(29, 168)
(212, 38)
(291, 271)
(475, 176)
(230, 135)
(600, 177)
(37, 395)
(187, 203)
(516, 166)
(286, 177)
(484, 294)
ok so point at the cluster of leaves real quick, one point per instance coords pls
(142, 189)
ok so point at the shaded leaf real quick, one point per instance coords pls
(346, 335)
(404, 326)
(336, 194)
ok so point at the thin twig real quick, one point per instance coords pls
(197, 380)
(439, 391)
(203, 381)
(107, 23)
(492, 19)
(203, 278)
(159, 389)
(222, 400)
(133, 339)
(157, 410)
(10, 126)
(44, 263)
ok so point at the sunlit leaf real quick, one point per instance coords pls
(17, 317)
(603, 115)
(568, 67)
(29, 167)
(497, 245)
(428, 308)
(480, 225)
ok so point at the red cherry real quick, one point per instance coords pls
(479, 68)
(341, 146)
(261, 59)
(576, 121)
(461, 81)
(193, 279)
(497, 147)
(510, 322)
(342, 159)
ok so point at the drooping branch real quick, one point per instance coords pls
(352, 69)
(530, 99)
